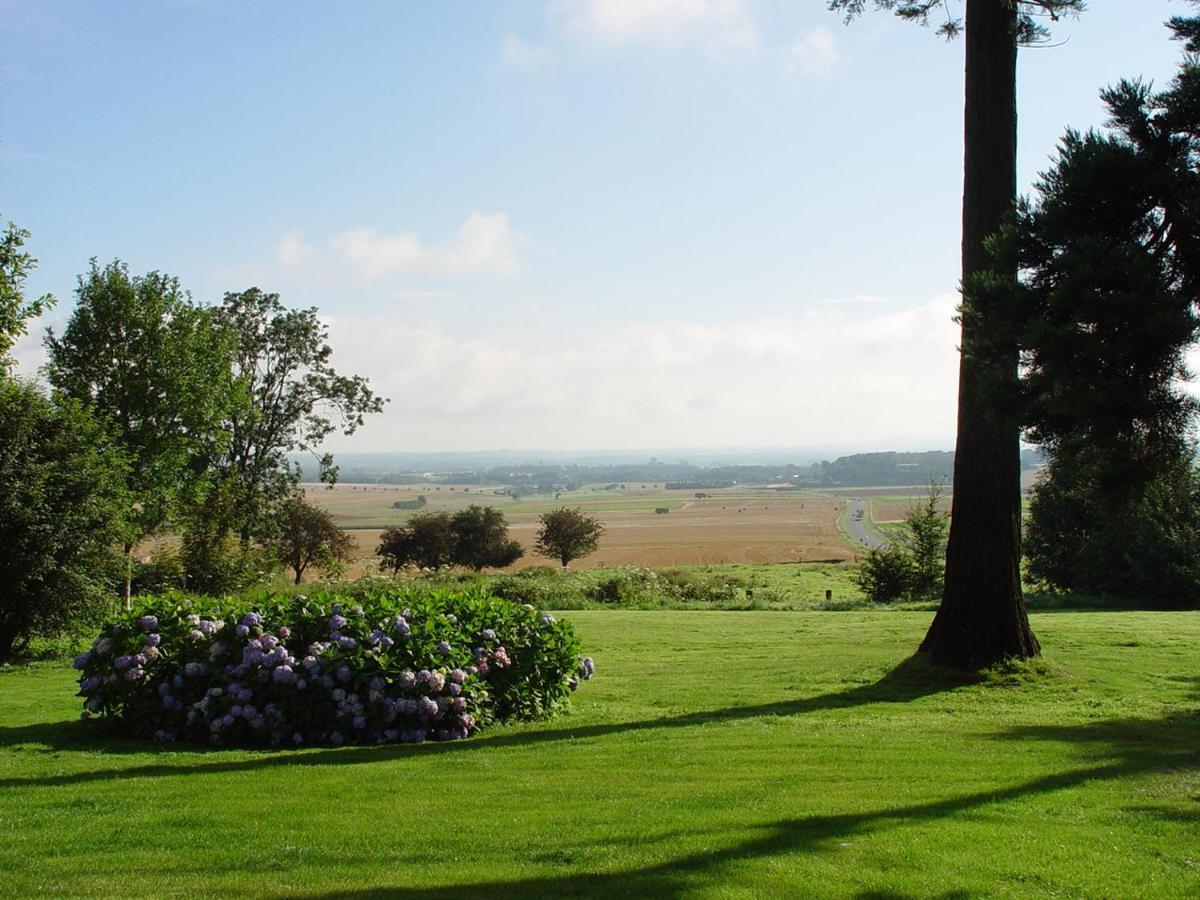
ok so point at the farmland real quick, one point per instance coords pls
(727, 525)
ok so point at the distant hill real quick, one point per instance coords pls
(854, 470)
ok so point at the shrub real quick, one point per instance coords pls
(887, 575)
(627, 586)
(221, 565)
(390, 665)
(161, 573)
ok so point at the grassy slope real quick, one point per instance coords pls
(715, 755)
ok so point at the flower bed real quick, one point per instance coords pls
(382, 666)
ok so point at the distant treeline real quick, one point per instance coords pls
(857, 470)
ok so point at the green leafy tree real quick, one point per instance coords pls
(154, 368)
(1104, 313)
(15, 310)
(289, 398)
(1105, 310)
(481, 539)
(982, 618)
(1142, 544)
(926, 526)
(307, 535)
(426, 541)
(568, 534)
(62, 501)
(887, 575)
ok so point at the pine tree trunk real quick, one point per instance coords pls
(982, 617)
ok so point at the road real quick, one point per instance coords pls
(856, 524)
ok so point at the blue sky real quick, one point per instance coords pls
(554, 224)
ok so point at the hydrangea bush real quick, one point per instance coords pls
(380, 666)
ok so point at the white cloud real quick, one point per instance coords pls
(485, 244)
(833, 374)
(718, 26)
(814, 54)
(522, 56)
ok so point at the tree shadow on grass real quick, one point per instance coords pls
(910, 680)
(1117, 748)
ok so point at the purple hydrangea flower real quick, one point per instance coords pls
(251, 619)
(444, 648)
(82, 660)
(359, 723)
(193, 619)
(298, 739)
(268, 641)
(336, 622)
(454, 688)
(283, 675)
(347, 643)
(343, 672)
(437, 681)
(195, 635)
(209, 627)
(122, 662)
(153, 640)
(134, 674)
(242, 631)
(423, 675)
(148, 623)
(488, 634)
(401, 627)
(428, 708)
(195, 669)
(406, 680)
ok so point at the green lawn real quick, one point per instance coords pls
(716, 754)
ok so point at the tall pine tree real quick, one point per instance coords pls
(982, 617)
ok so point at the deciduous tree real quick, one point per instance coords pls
(15, 310)
(568, 534)
(426, 541)
(307, 536)
(62, 503)
(153, 367)
(289, 398)
(481, 539)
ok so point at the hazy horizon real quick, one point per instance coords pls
(564, 224)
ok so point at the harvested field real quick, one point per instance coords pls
(733, 525)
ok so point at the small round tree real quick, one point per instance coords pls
(568, 534)
(308, 535)
(481, 539)
(426, 541)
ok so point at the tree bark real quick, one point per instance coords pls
(982, 618)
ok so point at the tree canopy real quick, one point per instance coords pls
(288, 397)
(62, 498)
(568, 534)
(15, 310)
(148, 362)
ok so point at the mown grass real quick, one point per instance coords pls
(717, 755)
